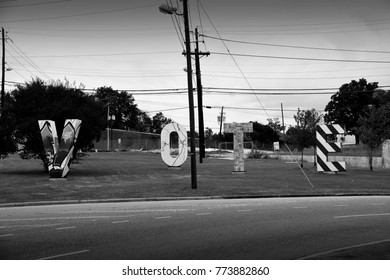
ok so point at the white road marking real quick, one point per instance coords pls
(6, 235)
(341, 205)
(300, 207)
(202, 214)
(165, 217)
(378, 203)
(64, 255)
(344, 248)
(62, 228)
(244, 210)
(362, 215)
(119, 222)
(132, 211)
(55, 218)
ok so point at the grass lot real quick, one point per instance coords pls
(144, 175)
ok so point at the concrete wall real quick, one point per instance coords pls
(377, 162)
(386, 154)
(349, 160)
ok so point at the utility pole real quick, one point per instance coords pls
(284, 129)
(220, 126)
(202, 146)
(108, 127)
(2, 71)
(190, 95)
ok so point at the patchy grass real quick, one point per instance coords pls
(113, 175)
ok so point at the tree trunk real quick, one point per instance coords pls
(302, 159)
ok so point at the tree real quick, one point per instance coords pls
(374, 128)
(275, 124)
(57, 101)
(7, 123)
(303, 135)
(122, 105)
(348, 104)
(263, 134)
(158, 122)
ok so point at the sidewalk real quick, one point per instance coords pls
(131, 176)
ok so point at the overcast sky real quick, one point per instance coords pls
(130, 45)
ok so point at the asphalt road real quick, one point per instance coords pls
(269, 228)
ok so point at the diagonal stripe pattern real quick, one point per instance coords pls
(324, 147)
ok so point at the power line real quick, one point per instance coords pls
(299, 78)
(294, 46)
(280, 89)
(260, 91)
(178, 29)
(367, 22)
(27, 59)
(234, 60)
(34, 4)
(301, 58)
(79, 15)
(288, 33)
(251, 109)
(105, 54)
(166, 110)
(17, 60)
(108, 75)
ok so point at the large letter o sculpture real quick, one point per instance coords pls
(166, 148)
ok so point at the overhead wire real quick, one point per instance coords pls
(79, 15)
(295, 46)
(250, 86)
(232, 57)
(301, 58)
(34, 4)
(295, 78)
(21, 64)
(27, 59)
(178, 30)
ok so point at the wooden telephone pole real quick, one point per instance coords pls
(2, 71)
(202, 146)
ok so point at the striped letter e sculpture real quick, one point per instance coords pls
(324, 147)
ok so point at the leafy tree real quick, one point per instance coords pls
(122, 105)
(374, 128)
(263, 134)
(37, 100)
(211, 138)
(158, 122)
(347, 105)
(144, 123)
(303, 135)
(275, 124)
(7, 123)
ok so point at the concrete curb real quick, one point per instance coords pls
(113, 200)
